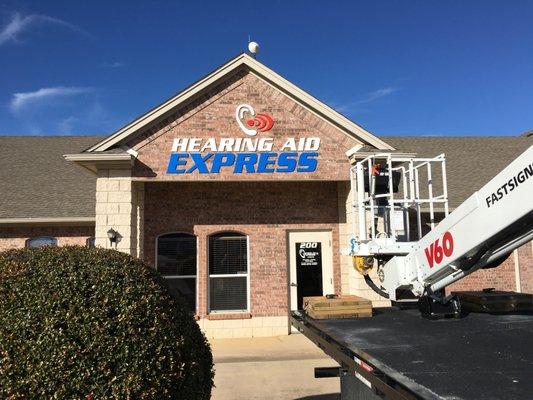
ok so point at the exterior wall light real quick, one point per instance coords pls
(112, 235)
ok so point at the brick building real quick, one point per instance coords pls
(220, 188)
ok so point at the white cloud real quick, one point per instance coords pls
(24, 100)
(115, 64)
(377, 94)
(20, 24)
(66, 125)
(63, 110)
(367, 98)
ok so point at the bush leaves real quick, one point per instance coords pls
(79, 323)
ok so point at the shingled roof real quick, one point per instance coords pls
(36, 182)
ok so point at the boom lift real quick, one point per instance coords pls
(395, 196)
(396, 354)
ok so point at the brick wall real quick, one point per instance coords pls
(501, 278)
(518, 266)
(263, 211)
(15, 237)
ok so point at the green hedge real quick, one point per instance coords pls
(78, 323)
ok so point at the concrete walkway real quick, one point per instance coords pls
(279, 367)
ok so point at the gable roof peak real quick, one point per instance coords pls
(262, 71)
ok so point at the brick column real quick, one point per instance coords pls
(345, 227)
(119, 205)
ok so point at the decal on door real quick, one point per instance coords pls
(435, 252)
(309, 254)
(308, 270)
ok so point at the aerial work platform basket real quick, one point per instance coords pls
(395, 199)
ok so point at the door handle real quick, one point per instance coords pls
(293, 284)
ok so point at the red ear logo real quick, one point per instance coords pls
(263, 122)
(258, 122)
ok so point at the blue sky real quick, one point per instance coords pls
(395, 67)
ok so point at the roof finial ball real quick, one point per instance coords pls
(253, 48)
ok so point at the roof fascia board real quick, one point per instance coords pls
(303, 98)
(93, 162)
(73, 221)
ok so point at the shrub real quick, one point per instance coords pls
(79, 323)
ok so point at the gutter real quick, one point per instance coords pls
(97, 157)
(72, 221)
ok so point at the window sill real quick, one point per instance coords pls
(236, 315)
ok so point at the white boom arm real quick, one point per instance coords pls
(479, 233)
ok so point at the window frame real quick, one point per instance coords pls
(196, 300)
(52, 238)
(248, 307)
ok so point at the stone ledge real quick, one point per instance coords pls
(217, 317)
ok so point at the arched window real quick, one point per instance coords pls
(90, 242)
(176, 261)
(41, 241)
(228, 272)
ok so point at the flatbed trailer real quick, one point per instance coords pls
(397, 354)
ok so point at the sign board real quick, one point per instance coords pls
(399, 220)
(246, 154)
